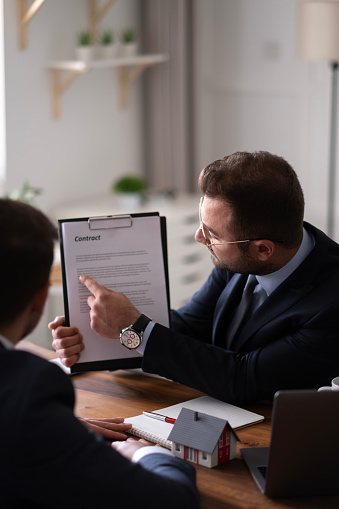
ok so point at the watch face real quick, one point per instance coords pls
(130, 338)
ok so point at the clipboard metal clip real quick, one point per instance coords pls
(108, 222)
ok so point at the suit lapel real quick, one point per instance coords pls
(291, 291)
(282, 299)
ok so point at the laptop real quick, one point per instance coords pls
(303, 457)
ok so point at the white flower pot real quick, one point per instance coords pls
(109, 51)
(85, 53)
(129, 202)
(129, 49)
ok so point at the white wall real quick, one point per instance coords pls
(78, 155)
(253, 93)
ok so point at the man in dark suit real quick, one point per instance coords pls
(241, 338)
(48, 457)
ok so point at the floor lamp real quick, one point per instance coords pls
(318, 39)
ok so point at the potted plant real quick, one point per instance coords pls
(85, 48)
(129, 45)
(26, 194)
(130, 189)
(109, 47)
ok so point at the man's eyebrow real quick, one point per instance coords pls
(211, 230)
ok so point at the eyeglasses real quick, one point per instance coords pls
(211, 242)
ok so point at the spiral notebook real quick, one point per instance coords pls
(157, 431)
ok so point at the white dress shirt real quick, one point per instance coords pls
(6, 343)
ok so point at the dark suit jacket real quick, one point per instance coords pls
(291, 342)
(49, 459)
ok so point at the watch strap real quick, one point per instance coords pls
(141, 323)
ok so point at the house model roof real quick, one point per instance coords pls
(198, 430)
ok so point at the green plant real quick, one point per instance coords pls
(26, 194)
(129, 35)
(107, 37)
(85, 38)
(129, 184)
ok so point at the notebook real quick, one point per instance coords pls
(303, 457)
(158, 431)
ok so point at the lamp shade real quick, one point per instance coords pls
(318, 31)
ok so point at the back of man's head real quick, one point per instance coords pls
(264, 193)
(26, 245)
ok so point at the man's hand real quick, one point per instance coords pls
(110, 312)
(111, 429)
(129, 447)
(67, 341)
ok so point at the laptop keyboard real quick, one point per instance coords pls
(263, 470)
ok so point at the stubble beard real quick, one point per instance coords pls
(243, 265)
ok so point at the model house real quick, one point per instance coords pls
(203, 439)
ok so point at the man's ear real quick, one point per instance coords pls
(263, 249)
(39, 299)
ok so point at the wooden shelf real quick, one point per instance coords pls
(129, 69)
(64, 72)
(25, 14)
(96, 12)
(78, 65)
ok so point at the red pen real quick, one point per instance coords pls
(160, 417)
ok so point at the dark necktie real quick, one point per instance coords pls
(250, 301)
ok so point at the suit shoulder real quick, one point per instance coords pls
(26, 369)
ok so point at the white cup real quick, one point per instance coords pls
(334, 385)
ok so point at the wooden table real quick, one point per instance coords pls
(128, 393)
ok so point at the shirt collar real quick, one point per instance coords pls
(6, 343)
(271, 281)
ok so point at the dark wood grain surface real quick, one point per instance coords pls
(128, 393)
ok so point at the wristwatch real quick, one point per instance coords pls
(131, 337)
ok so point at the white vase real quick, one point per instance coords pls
(129, 49)
(85, 53)
(129, 202)
(109, 51)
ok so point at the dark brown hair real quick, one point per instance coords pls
(264, 192)
(26, 249)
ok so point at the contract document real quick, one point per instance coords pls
(126, 254)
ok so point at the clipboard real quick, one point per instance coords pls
(110, 245)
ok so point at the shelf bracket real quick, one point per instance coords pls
(59, 86)
(126, 77)
(24, 16)
(129, 69)
(96, 13)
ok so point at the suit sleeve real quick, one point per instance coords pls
(195, 319)
(60, 461)
(300, 351)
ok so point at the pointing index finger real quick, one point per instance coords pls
(90, 284)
